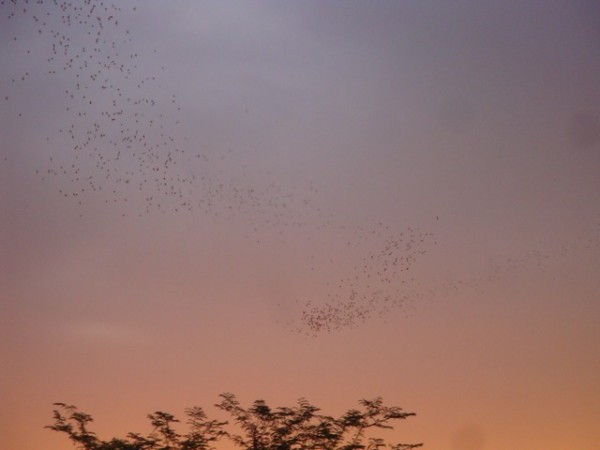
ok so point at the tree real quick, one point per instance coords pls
(203, 432)
(258, 427)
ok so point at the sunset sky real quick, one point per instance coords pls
(333, 200)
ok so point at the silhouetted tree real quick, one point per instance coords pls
(261, 427)
(302, 428)
(203, 432)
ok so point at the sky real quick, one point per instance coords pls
(329, 200)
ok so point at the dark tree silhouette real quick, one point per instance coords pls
(258, 427)
(201, 436)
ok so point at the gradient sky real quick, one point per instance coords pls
(331, 200)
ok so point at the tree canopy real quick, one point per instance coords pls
(258, 427)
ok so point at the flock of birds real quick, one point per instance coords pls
(377, 281)
(391, 278)
(115, 137)
(117, 140)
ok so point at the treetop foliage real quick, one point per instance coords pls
(258, 427)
